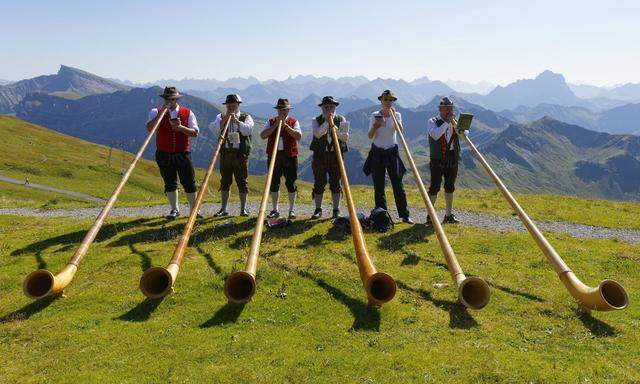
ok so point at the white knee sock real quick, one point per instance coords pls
(274, 200)
(243, 201)
(191, 198)
(318, 200)
(173, 199)
(292, 200)
(335, 199)
(224, 196)
(448, 200)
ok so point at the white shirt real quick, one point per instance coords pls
(245, 128)
(296, 127)
(193, 123)
(436, 132)
(323, 129)
(385, 136)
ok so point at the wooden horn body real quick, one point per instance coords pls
(607, 296)
(43, 283)
(379, 286)
(157, 282)
(473, 292)
(240, 286)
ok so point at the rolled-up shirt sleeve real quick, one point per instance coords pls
(319, 130)
(246, 128)
(296, 127)
(192, 122)
(434, 131)
(152, 114)
(266, 126)
(215, 125)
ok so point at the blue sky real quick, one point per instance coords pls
(499, 41)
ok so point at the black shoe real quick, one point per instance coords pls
(407, 220)
(221, 213)
(450, 219)
(173, 214)
(336, 214)
(292, 215)
(244, 212)
(317, 214)
(199, 216)
(273, 215)
(429, 223)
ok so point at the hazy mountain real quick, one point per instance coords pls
(629, 92)
(547, 87)
(69, 83)
(620, 120)
(481, 87)
(205, 84)
(5, 82)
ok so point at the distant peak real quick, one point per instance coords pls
(550, 76)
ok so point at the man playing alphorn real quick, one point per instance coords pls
(324, 157)
(234, 157)
(384, 158)
(172, 148)
(286, 163)
(444, 149)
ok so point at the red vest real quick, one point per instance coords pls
(290, 143)
(168, 140)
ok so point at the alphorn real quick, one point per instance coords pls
(379, 286)
(157, 282)
(43, 283)
(473, 292)
(609, 295)
(240, 286)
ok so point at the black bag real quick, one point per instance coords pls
(380, 220)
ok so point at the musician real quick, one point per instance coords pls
(286, 163)
(444, 148)
(384, 158)
(325, 161)
(172, 148)
(234, 156)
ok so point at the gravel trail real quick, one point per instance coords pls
(474, 219)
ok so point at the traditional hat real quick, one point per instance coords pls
(446, 102)
(233, 98)
(387, 93)
(328, 100)
(170, 92)
(283, 104)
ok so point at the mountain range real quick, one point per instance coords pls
(69, 83)
(543, 147)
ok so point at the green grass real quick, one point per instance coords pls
(46, 157)
(307, 321)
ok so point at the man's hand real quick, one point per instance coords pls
(379, 121)
(175, 125)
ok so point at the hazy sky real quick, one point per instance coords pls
(499, 41)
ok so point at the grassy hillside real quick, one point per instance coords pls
(308, 321)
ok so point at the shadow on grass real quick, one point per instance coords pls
(142, 311)
(515, 292)
(69, 240)
(397, 240)
(459, 316)
(28, 310)
(597, 327)
(145, 260)
(365, 317)
(229, 313)
(209, 258)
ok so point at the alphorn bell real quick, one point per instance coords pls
(608, 296)
(473, 292)
(241, 285)
(43, 283)
(379, 286)
(157, 282)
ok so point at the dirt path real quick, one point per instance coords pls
(78, 195)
